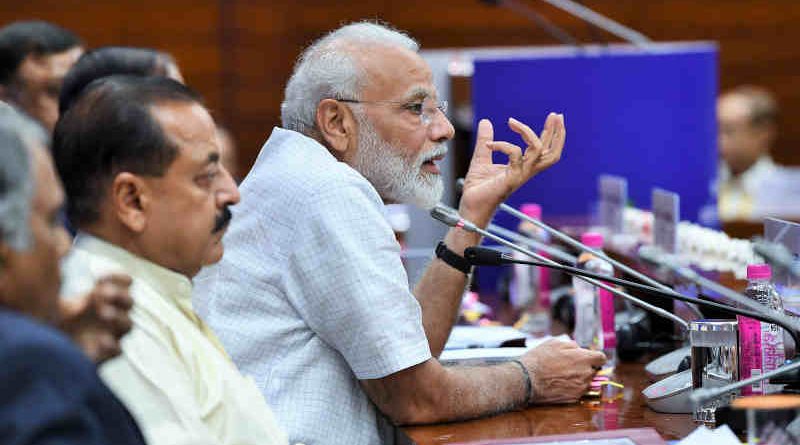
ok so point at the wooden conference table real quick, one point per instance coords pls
(627, 411)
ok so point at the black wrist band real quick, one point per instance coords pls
(452, 259)
(528, 383)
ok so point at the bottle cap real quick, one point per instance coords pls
(759, 272)
(532, 210)
(593, 240)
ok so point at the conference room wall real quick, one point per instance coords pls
(239, 53)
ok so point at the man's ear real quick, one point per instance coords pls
(337, 126)
(130, 200)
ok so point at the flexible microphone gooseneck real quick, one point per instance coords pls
(484, 256)
(532, 243)
(563, 237)
(549, 27)
(450, 217)
(691, 275)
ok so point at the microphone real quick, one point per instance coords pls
(549, 27)
(554, 252)
(451, 218)
(703, 395)
(652, 255)
(777, 254)
(484, 256)
(563, 237)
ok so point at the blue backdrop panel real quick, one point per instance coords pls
(645, 116)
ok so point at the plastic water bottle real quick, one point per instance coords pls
(761, 345)
(529, 289)
(594, 307)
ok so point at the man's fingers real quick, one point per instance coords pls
(122, 325)
(596, 358)
(528, 135)
(119, 279)
(557, 133)
(513, 152)
(484, 136)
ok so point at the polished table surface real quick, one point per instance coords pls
(627, 411)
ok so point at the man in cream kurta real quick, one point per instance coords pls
(151, 199)
(173, 374)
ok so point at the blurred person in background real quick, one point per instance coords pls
(34, 58)
(747, 117)
(115, 60)
(49, 390)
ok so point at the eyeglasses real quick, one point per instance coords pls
(425, 109)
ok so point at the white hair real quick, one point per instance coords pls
(327, 69)
(18, 137)
(397, 178)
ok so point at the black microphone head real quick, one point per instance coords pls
(483, 256)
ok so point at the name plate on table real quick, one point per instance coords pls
(613, 198)
(666, 215)
(634, 436)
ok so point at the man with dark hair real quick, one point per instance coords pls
(139, 157)
(49, 391)
(34, 58)
(747, 118)
(115, 60)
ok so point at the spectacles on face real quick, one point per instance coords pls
(425, 109)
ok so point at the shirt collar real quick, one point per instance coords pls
(763, 163)
(171, 285)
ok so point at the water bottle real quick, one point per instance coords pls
(529, 289)
(760, 344)
(594, 307)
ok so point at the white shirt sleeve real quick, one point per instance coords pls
(353, 288)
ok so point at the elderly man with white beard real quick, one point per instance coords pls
(311, 297)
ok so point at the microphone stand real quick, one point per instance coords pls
(702, 395)
(453, 219)
(563, 237)
(489, 257)
(704, 282)
(606, 24)
(549, 27)
(532, 243)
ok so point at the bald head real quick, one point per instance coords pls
(747, 126)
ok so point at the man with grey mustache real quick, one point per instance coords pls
(311, 297)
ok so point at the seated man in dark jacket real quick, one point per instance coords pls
(49, 389)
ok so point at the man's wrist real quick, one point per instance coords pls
(528, 383)
(453, 259)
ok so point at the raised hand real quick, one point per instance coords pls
(488, 184)
(560, 371)
(98, 320)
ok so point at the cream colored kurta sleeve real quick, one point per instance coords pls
(172, 374)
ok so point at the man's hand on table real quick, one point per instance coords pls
(98, 320)
(561, 371)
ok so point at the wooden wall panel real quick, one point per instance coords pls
(239, 53)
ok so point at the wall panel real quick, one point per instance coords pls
(238, 53)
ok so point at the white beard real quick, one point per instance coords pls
(396, 178)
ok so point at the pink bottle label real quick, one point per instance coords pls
(607, 319)
(760, 350)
